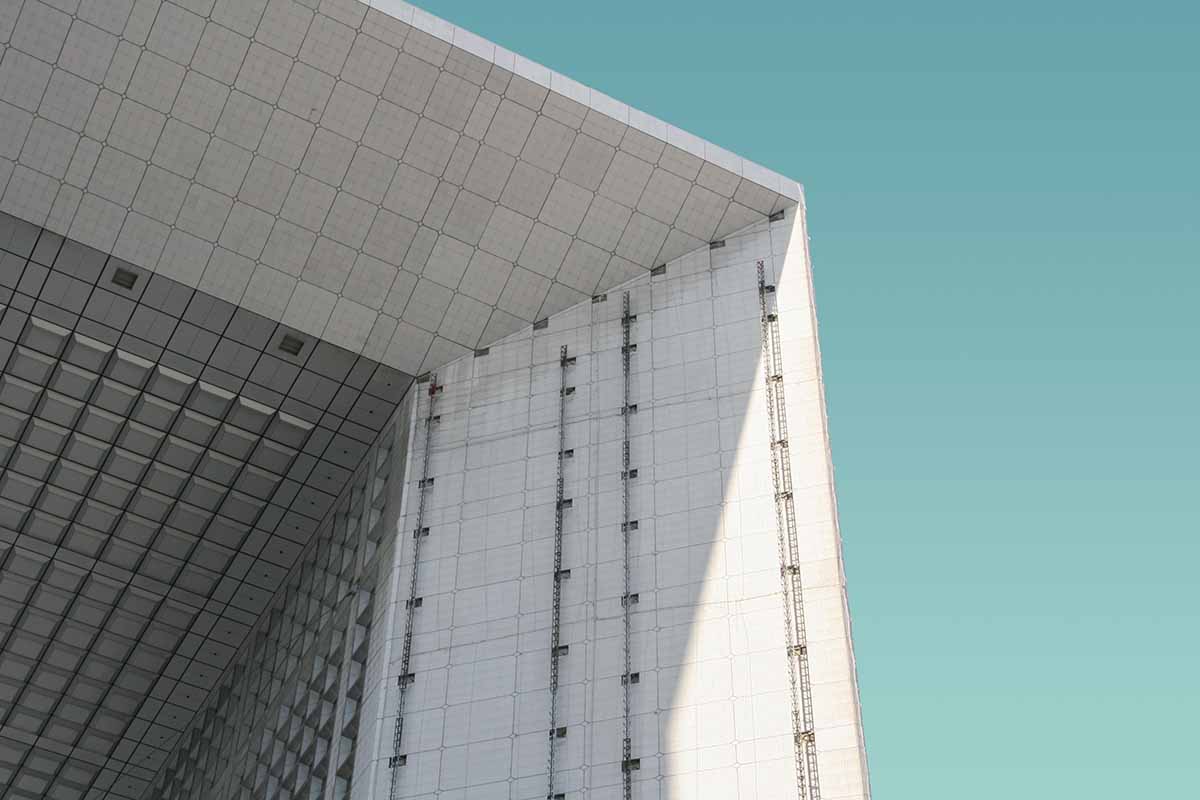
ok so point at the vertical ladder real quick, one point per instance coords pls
(406, 678)
(626, 680)
(789, 550)
(560, 504)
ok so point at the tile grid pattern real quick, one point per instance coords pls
(710, 709)
(152, 497)
(284, 721)
(354, 175)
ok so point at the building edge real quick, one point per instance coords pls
(801, 221)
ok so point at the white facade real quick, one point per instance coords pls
(711, 712)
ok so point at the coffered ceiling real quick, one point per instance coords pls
(164, 458)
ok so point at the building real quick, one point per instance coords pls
(354, 365)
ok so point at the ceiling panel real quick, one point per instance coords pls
(372, 176)
(164, 457)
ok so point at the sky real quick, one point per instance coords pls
(1003, 202)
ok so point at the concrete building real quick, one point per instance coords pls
(384, 415)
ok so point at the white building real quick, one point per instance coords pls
(384, 415)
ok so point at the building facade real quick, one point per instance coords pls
(386, 416)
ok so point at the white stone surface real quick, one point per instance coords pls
(711, 712)
(384, 129)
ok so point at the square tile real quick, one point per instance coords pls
(88, 51)
(390, 129)
(327, 44)
(180, 148)
(369, 281)
(284, 26)
(348, 111)
(136, 129)
(41, 30)
(220, 52)
(328, 157)
(510, 127)
(49, 148)
(200, 101)
(244, 120)
(155, 82)
(306, 92)
(370, 175)
(349, 220)
(430, 147)
(448, 261)
(369, 64)
(263, 74)
(68, 100)
(391, 237)
(176, 33)
(548, 144)
(266, 185)
(565, 207)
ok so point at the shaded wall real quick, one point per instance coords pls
(284, 720)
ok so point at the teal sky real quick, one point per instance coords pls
(1003, 201)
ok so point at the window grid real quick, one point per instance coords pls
(284, 720)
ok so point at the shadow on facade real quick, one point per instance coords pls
(710, 709)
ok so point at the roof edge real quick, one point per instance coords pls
(594, 99)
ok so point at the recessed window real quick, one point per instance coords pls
(124, 278)
(292, 345)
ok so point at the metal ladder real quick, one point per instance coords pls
(419, 532)
(789, 550)
(560, 504)
(627, 741)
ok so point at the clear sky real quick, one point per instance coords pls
(1003, 201)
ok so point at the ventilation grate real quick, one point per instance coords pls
(292, 345)
(124, 278)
